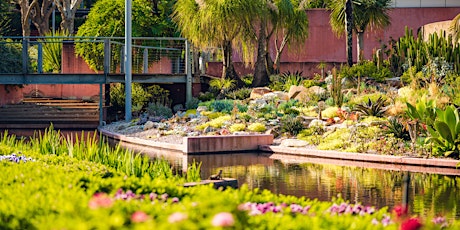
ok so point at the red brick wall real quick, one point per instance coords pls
(323, 45)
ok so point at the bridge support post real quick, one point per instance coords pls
(25, 55)
(188, 70)
(40, 58)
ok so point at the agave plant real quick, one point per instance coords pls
(371, 108)
(445, 134)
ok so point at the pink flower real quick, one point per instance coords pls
(400, 210)
(100, 200)
(139, 216)
(411, 224)
(177, 217)
(223, 219)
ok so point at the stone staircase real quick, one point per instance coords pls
(39, 113)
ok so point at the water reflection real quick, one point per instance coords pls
(429, 194)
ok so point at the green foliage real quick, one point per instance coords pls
(289, 107)
(239, 94)
(11, 56)
(372, 108)
(396, 128)
(193, 172)
(106, 19)
(445, 134)
(52, 52)
(424, 111)
(157, 94)
(207, 96)
(222, 85)
(257, 127)
(237, 127)
(160, 110)
(247, 79)
(336, 88)
(225, 106)
(140, 97)
(217, 122)
(291, 79)
(192, 103)
(363, 98)
(291, 125)
(414, 51)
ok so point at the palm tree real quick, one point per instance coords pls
(215, 23)
(455, 28)
(366, 13)
(287, 21)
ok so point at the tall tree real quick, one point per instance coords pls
(285, 23)
(37, 11)
(5, 19)
(366, 14)
(106, 19)
(215, 23)
(68, 8)
(291, 27)
(455, 28)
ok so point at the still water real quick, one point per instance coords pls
(429, 193)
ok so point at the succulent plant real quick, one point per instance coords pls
(372, 108)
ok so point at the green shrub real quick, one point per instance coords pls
(207, 96)
(239, 94)
(289, 107)
(372, 108)
(257, 127)
(237, 127)
(225, 106)
(291, 124)
(156, 109)
(11, 56)
(140, 97)
(192, 103)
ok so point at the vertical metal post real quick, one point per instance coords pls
(128, 59)
(25, 55)
(188, 71)
(146, 60)
(40, 58)
(101, 108)
(53, 19)
(106, 56)
(122, 57)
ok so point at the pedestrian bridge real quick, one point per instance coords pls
(54, 60)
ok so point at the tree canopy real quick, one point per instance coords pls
(106, 19)
(366, 14)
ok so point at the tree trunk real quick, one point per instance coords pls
(228, 70)
(40, 15)
(68, 8)
(260, 71)
(349, 31)
(360, 45)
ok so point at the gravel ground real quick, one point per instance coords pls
(132, 130)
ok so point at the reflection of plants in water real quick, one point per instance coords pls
(438, 193)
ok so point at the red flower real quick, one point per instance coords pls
(400, 210)
(411, 224)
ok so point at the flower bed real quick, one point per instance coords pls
(58, 190)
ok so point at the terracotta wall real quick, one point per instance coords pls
(323, 45)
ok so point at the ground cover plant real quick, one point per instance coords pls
(46, 185)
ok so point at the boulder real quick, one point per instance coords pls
(277, 95)
(148, 125)
(293, 143)
(317, 90)
(298, 92)
(259, 92)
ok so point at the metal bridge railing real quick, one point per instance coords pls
(29, 55)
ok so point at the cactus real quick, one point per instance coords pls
(336, 88)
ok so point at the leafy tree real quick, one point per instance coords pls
(287, 22)
(366, 13)
(5, 20)
(38, 12)
(216, 23)
(68, 8)
(106, 19)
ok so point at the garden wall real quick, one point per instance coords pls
(323, 45)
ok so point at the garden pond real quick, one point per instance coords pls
(429, 193)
